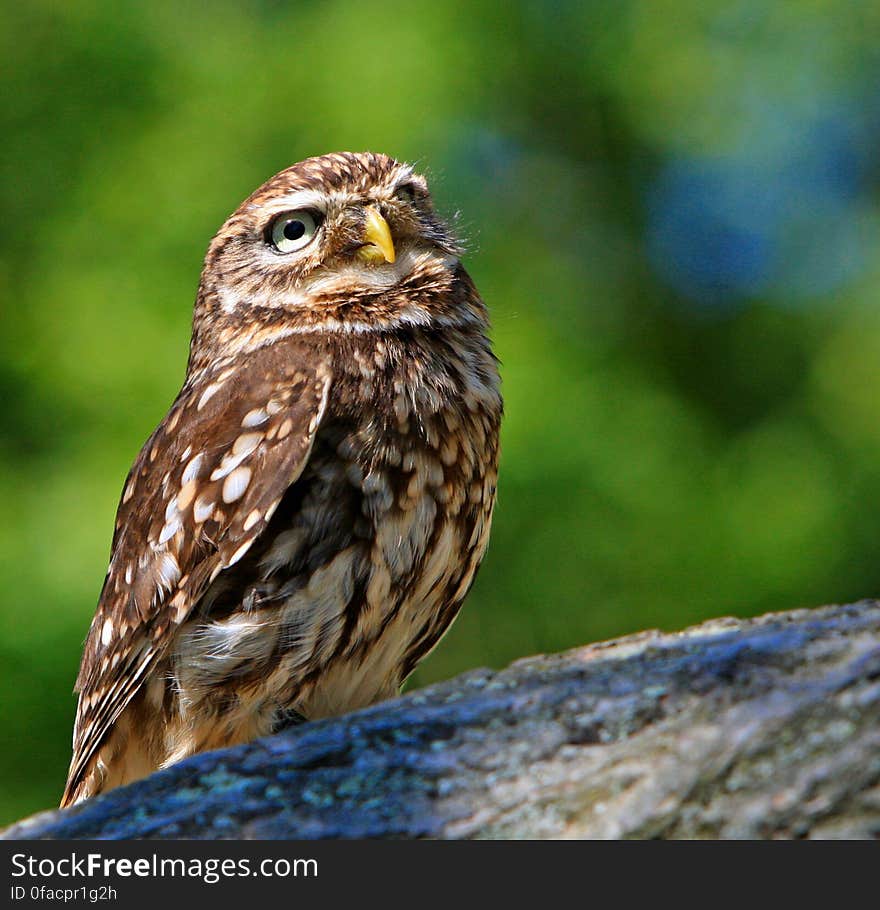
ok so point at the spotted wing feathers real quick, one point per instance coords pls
(200, 493)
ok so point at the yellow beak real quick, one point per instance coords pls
(378, 245)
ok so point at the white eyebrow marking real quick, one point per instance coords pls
(306, 199)
(321, 200)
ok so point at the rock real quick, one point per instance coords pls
(755, 728)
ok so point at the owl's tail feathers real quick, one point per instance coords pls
(75, 791)
(121, 759)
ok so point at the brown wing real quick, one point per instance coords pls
(201, 491)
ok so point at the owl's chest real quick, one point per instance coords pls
(419, 489)
(401, 478)
(418, 442)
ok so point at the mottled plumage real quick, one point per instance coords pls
(302, 527)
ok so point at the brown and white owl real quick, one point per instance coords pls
(303, 526)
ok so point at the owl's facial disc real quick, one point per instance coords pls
(378, 244)
(345, 242)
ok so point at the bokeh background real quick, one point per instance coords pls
(671, 210)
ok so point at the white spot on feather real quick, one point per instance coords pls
(236, 483)
(169, 530)
(191, 471)
(246, 443)
(238, 553)
(208, 394)
(185, 496)
(255, 418)
(202, 509)
(229, 463)
(169, 571)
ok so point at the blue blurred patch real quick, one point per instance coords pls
(780, 219)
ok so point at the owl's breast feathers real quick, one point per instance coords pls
(297, 534)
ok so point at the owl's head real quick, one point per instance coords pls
(343, 243)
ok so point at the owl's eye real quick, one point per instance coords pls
(406, 192)
(293, 230)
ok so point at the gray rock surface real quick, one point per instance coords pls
(736, 728)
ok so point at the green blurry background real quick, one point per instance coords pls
(672, 212)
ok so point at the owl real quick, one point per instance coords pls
(302, 527)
